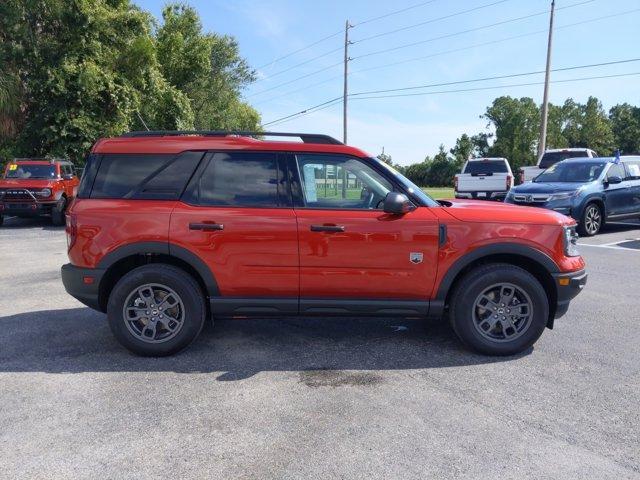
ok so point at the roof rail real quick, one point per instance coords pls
(305, 137)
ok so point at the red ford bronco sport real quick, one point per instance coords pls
(37, 187)
(172, 228)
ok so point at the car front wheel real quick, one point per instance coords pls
(156, 310)
(499, 309)
(591, 220)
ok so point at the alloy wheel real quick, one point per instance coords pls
(153, 313)
(502, 312)
(592, 220)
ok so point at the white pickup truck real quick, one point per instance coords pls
(484, 179)
(551, 157)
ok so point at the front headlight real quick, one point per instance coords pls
(44, 193)
(571, 241)
(563, 195)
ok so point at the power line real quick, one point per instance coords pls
(340, 32)
(449, 35)
(599, 77)
(370, 94)
(402, 10)
(306, 110)
(302, 49)
(497, 87)
(496, 77)
(296, 79)
(493, 42)
(301, 64)
(433, 20)
(306, 87)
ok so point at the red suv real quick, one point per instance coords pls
(170, 229)
(37, 187)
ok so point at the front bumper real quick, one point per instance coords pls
(83, 284)
(26, 208)
(556, 206)
(568, 285)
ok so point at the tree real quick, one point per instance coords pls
(463, 150)
(625, 123)
(418, 172)
(207, 68)
(442, 169)
(516, 123)
(588, 126)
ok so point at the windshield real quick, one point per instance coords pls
(572, 172)
(409, 185)
(485, 167)
(30, 171)
(551, 158)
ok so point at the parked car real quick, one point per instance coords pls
(551, 157)
(591, 190)
(170, 229)
(484, 179)
(33, 187)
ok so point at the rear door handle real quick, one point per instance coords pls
(327, 228)
(207, 227)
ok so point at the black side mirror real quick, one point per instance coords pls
(613, 180)
(397, 203)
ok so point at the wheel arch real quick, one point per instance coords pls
(597, 199)
(127, 257)
(534, 261)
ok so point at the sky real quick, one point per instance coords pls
(421, 43)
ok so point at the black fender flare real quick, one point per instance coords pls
(163, 248)
(501, 248)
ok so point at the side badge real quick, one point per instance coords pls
(416, 257)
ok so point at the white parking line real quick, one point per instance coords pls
(613, 245)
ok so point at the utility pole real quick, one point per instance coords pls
(345, 92)
(542, 144)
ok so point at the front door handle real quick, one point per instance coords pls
(327, 228)
(207, 227)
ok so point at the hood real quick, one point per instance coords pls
(532, 187)
(495, 212)
(28, 183)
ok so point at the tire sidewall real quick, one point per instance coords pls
(57, 214)
(178, 281)
(474, 285)
(582, 227)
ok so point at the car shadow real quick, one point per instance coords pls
(79, 340)
(43, 223)
(613, 227)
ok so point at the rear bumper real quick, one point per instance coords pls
(569, 285)
(488, 195)
(83, 284)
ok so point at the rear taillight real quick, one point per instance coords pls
(71, 230)
(455, 183)
(508, 185)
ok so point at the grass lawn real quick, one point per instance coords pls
(439, 192)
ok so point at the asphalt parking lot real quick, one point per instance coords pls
(321, 398)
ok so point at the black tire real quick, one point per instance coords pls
(463, 309)
(188, 292)
(1, 220)
(584, 225)
(57, 212)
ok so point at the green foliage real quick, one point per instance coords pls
(625, 123)
(75, 71)
(386, 158)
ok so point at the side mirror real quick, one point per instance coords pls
(397, 204)
(613, 180)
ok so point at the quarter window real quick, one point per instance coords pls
(239, 179)
(331, 181)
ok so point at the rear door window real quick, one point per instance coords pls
(144, 176)
(551, 158)
(240, 179)
(486, 167)
(633, 169)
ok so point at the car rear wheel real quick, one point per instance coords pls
(591, 220)
(156, 310)
(499, 309)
